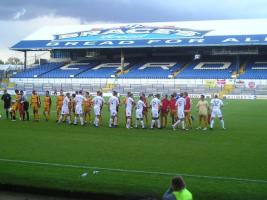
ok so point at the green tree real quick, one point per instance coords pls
(14, 61)
(1, 62)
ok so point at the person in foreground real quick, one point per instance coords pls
(177, 190)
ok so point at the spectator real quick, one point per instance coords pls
(177, 190)
(6, 98)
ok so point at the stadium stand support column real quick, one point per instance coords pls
(242, 68)
(237, 64)
(122, 60)
(25, 60)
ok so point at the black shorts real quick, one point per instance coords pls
(6, 105)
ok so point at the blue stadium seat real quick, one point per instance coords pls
(104, 70)
(38, 70)
(69, 71)
(202, 69)
(213, 68)
(155, 71)
(255, 70)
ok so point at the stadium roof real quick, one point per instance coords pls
(164, 34)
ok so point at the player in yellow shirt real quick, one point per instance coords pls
(47, 105)
(35, 104)
(12, 110)
(87, 107)
(73, 105)
(59, 103)
(203, 109)
(17, 105)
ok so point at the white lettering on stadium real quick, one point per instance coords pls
(184, 41)
(173, 41)
(126, 42)
(249, 39)
(231, 40)
(144, 30)
(196, 41)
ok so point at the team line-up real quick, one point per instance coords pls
(80, 104)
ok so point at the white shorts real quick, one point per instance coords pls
(113, 113)
(155, 113)
(97, 110)
(128, 113)
(65, 111)
(180, 114)
(78, 110)
(139, 114)
(216, 113)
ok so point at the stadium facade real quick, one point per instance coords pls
(221, 52)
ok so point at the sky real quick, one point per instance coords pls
(19, 18)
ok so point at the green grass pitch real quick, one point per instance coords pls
(238, 152)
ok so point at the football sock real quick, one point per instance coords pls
(96, 121)
(158, 122)
(211, 123)
(142, 123)
(128, 123)
(136, 123)
(60, 119)
(183, 124)
(81, 120)
(176, 123)
(115, 121)
(222, 122)
(152, 123)
(28, 115)
(68, 119)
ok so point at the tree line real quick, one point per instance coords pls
(11, 61)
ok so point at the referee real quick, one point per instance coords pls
(6, 98)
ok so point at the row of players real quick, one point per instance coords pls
(179, 107)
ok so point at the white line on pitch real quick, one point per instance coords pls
(133, 171)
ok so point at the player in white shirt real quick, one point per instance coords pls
(180, 104)
(98, 103)
(78, 100)
(155, 105)
(216, 105)
(128, 109)
(113, 107)
(140, 105)
(65, 109)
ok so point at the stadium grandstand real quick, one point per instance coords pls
(201, 57)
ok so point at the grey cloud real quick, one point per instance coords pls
(135, 10)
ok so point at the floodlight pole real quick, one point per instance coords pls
(25, 60)
(122, 60)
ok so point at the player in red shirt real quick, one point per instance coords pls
(172, 108)
(187, 110)
(164, 111)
